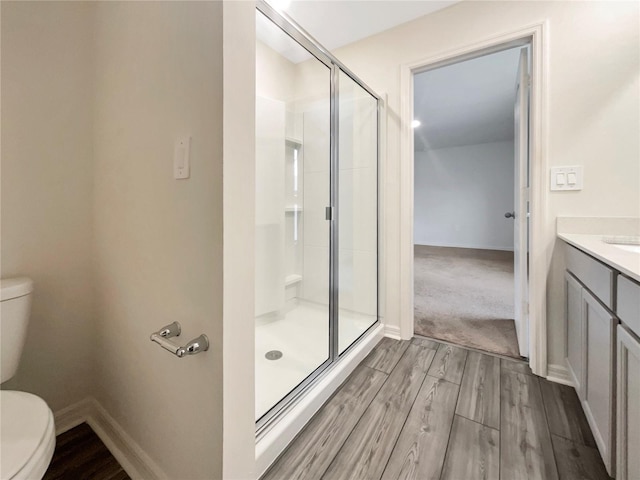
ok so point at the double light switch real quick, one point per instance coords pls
(566, 178)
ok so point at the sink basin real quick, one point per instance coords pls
(628, 248)
(627, 243)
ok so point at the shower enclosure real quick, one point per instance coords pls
(316, 253)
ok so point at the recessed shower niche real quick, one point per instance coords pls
(316, 212)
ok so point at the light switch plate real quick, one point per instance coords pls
(181, 160)
(572, 177)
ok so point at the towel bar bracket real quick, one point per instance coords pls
(162, 337)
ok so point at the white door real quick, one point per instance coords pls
(521, 197)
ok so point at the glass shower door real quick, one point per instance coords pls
(357, 210)
(292, 234)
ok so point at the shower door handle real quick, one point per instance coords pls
(328, 213)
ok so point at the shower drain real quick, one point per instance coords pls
(273, 355)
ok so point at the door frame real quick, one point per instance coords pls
(536, 36)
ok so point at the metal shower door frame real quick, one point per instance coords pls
(298, 34)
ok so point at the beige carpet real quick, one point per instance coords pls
(465, 296)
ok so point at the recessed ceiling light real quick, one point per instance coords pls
(415, 124)
(280, 5)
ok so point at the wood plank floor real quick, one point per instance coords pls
(81, 455)
(425, 410)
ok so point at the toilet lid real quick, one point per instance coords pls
(24, 421)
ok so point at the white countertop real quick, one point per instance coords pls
(624, 261)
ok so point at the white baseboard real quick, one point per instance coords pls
(73, 415)
(126, 451)
(473, 246)
(392, 331)
(559, 374)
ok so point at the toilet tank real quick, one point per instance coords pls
(15, 307)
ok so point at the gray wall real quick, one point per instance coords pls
(94, 95)
(47, 186)
(158, 241)
(461, 195)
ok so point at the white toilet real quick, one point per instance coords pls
(27, 431)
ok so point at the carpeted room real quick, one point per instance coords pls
(463, 185)
(465, 296)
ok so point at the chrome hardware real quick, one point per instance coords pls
(328, 213)
(197, 345)
(171, 330)
(510, 215)
(162, 336)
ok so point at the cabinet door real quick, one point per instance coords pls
(575, 333)
(599, 363)
(628, 411)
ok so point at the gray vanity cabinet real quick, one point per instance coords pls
(575, 333)
(628, 411)
(591, 346)
(599, 362)
(603, 357)
(628, 379)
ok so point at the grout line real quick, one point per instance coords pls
(577, 444)
(395, 364)
(378, 370)
(477, 422)
(558, 398)
(446, 451)
(395, 443)
(464, 376)
(362, 415)
(546, 417)
(477, 350)
(499, 419)
(412, 404)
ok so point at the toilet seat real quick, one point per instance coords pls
(27, 436)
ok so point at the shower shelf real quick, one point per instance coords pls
(296, 142)
(291, 279)
(293, 209)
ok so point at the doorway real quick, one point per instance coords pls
(471, 200)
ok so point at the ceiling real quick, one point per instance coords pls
(336, 23)
(466, 103)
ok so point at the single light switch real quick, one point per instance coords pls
(560, 179)
(571, 178)
(181, 161)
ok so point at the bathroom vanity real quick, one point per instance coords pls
(602, 284)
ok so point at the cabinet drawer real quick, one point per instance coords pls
(594, 275)
(628, 303)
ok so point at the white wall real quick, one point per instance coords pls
(593, 114)
(47, 184)
(461, 195)
(270, 204)
(276, 74)
(158, 241)
(357, 202)
(239, 86)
